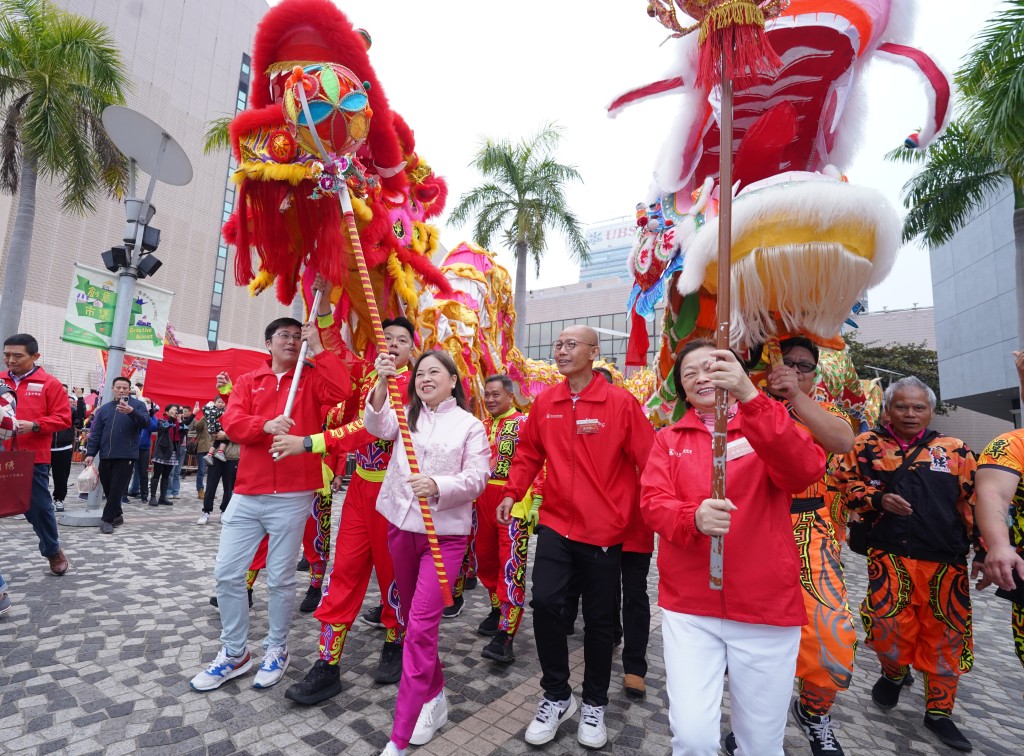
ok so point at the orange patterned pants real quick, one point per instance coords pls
(918, 614)
(828, 641)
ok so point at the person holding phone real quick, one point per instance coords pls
(169, 434)
(115, 437)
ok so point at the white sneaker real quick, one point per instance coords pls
(275, 662)
(222, 669)
(433, 716)
(204, 518)
(58, 505)
(591, 733)
(550, 714)
(220, 457)
(392, 750)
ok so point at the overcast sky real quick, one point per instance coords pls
(462, 70)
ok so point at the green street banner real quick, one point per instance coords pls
(89, 318)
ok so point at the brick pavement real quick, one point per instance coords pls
(98, 661)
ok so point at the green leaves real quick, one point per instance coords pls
(523, 197)
(57, 73)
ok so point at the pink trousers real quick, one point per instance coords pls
(419, 593)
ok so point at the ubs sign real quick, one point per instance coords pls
(615, 235)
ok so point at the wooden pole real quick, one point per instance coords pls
(723, 312)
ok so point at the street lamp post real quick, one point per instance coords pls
(152, 149)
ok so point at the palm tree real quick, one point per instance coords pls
(523, 196)
(982, 151)
(58, 72)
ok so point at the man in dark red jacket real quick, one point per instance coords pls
(43, 410)
(270, 497)
(595, 439)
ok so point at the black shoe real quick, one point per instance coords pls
(124, 499)
(818, 730)
(312, 600)
(946, 731)
(164, 502)
(302, 566)
(106, 528)
(453, 611)
(372, 616)
(213, 600)
(119, 520)
(469, 584)
(152, 501)
(389, 668)
(886, 692)
(323, 681)
(500, 649)
(730, 744)
(490, 625)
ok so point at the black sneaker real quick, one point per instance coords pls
(323, 681)
(490, 625)
(312, 599)
(886, 692)
(818, 730)
(389, 668)
(118, 521)
(730, 743)
(302, 566)
(946, 731)
(500, 649)
(213, 600)
(469, 584)
(372, 616)
(453, 611)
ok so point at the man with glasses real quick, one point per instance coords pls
(271, 498)
(43, 409)
(362, 534)
(595, 440)
(916, 486)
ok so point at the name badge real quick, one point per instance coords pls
(587, 426)
(738, 448)
(34, 388)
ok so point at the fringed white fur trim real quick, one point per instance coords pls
(810, 287)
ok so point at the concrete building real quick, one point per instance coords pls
(188, 63)
(976, 301)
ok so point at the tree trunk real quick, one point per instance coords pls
(1018, 234)
(520, 295)
(19, 253)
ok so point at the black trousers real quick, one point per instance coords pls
(60, 469)
(636, 612)
(161, 473)
(557, 564)
(115, 475)
(215, 473)
(143, 467)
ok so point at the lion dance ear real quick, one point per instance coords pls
(315, 31)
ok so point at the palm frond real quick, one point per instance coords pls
(217, 137)
(960, 172)
(10, 147)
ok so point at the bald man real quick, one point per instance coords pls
(595, 440)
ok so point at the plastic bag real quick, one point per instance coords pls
(88, 479)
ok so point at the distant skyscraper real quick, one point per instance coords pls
(609, 244)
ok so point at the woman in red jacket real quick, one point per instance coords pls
(753, 624)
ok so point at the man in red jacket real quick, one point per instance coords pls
(595, 439)
(43, 410)
(270, 498)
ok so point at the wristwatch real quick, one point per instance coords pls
(307, 444)
(35, 427)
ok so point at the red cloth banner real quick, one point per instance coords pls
(186, 376)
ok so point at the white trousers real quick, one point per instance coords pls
(762, 664)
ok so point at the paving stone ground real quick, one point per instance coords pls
(98, 661)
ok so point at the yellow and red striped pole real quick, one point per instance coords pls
(393, 393)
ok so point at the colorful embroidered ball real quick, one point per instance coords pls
(338, 105)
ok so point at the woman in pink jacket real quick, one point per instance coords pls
(455, 460)
(752, 625)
